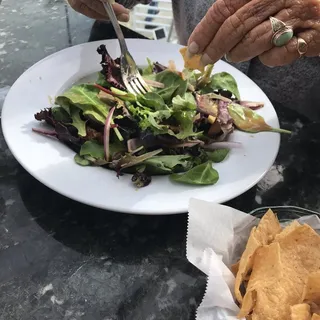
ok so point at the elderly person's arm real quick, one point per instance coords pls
(242, 30)
(95, 10)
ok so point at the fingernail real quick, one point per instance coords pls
(193, 48)
(205, 60)
(124, 17)
(227, 58)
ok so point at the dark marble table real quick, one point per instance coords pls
(64, 260)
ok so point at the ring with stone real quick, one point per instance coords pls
(282, 33)
(276, 24)
(302, 47)
(282, 37)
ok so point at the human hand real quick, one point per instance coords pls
(94, 9)
(241, 30)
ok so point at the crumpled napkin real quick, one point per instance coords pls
(217, 236)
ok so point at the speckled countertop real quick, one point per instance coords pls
(63, 260)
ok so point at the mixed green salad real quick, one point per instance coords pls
(179, 129)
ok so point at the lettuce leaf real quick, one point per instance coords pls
(84, 97)
(78, 123)
(185, 103)
(218, 155)
(149, 69)
(184, 110)
(222, 81)
(92, 149)
(174, 85)
(159, 165)
(153, 101)
(111, 69)
(60, 114)
(203, 174)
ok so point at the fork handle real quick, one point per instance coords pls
(112, 16)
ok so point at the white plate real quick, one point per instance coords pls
(52, 163)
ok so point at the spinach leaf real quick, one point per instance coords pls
(223, 81)
(174, 85)
(81, 161)
(168, 164)
(202, 174)
(185, 120)
(85, 97)
(153, 101)
(248, 120)
(218, 155)
(92, 149)
(95, 151)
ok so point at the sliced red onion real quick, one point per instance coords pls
(106, 136)
(223, 145)
(45, 132)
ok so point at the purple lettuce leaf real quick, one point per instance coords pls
(111, 69)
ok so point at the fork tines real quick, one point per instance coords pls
(136, 85)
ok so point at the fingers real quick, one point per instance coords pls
(210, 24)
(94, 9)
(238, 25)
(280, 56)
(82, 7)
(258, 40)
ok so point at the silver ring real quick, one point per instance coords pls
(276, 24)
(302, 46)
(281, 33)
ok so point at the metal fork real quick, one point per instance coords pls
(131, 76)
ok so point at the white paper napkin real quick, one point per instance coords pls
(217, 236)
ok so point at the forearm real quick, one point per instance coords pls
(131, 3)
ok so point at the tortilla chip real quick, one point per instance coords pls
(268, 227)
(300, 249)
(280, 272)
(300, 312)
(262, 290)
(235, 268)
(311, 292)
(291, 227)
(314, 308)
(263, 234)
(194, 62)
(248, 303)
(315, 317)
